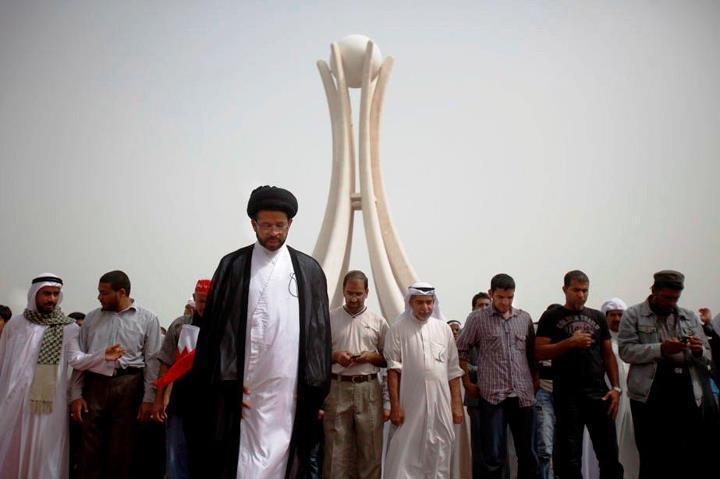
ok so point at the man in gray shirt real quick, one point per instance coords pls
(108, 402)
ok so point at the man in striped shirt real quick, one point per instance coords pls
(504, 337)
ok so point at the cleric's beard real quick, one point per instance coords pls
(270, 248)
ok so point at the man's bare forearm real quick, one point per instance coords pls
(161, 389)
(455, 395)
(394, 387)
(465, 366)
(377, 359)
(550, 351)
(611, 365)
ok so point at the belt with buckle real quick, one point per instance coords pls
(360, 378)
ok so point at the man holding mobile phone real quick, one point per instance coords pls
(354, 418)
(674, 414)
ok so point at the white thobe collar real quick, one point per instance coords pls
(418, 320)
(266, 253)
(354, 315)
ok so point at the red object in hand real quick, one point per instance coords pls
(183, 364)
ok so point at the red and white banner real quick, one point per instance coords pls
(185, 355)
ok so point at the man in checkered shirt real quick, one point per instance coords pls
(504, 337)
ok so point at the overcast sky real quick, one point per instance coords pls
(522, 137)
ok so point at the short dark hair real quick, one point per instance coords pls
(117, 280)
(575, 275)
(356, 274)
(77, 316)
(502, 281)
(480, 295)
(5, 312)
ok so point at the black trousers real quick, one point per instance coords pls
(475, 433)
(474, 414)
(669, 431)
(574, 411)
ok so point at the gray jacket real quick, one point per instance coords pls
(639, 345)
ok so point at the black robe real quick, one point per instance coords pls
(214, 435)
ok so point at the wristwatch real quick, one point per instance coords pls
(618, 389)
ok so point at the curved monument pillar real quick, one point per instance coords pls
(356, 62)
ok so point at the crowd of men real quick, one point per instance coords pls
(260, 379)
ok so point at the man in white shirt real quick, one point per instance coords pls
(354, 408)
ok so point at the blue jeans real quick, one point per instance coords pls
(177, 451)
(475, 433)
(495, 419)
(545, 432)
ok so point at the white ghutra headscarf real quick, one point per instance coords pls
(39, 282)
(421, 288)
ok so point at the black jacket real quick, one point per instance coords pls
(214, 435)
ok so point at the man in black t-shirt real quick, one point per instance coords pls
(577, 339)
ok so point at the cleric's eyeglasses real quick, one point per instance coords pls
(272, 227)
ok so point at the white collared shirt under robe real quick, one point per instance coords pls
(629, 456)
(36, 445)
(425, 354)
(271, 365)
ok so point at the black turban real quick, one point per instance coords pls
(272, 198)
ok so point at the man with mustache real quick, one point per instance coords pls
(674, 413)
(263, 355)
(37, 349)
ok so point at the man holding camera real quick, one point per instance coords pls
(674, 414)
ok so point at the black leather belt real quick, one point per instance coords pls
(360, 378)
(126, 371)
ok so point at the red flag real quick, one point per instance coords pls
(185, 356)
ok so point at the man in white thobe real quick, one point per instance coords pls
(613, 310)
(424, 384)
(271, 364)
(264, 342)
(37, 349)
